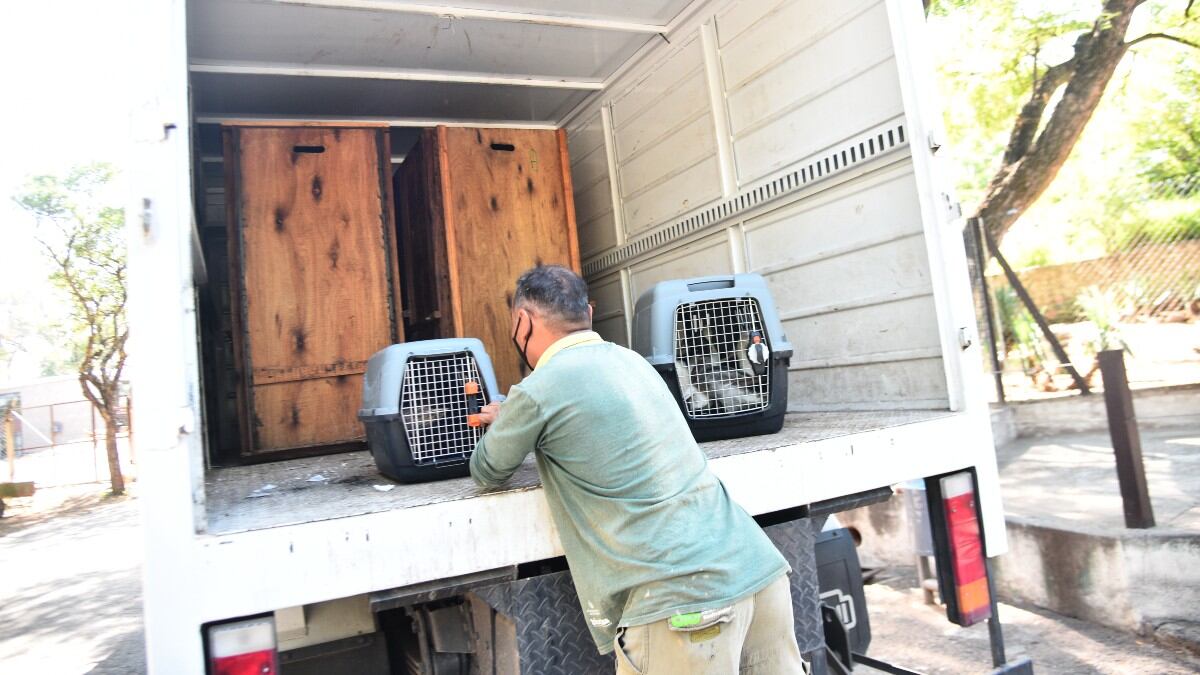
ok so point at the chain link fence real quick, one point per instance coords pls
(1141, 295)
(60, 444)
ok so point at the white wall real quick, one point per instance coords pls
(771, 138)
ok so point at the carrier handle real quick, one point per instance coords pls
(474, 403)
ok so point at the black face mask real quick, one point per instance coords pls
(522, 349)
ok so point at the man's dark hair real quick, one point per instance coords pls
(556, 293)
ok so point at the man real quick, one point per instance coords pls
(670, 572)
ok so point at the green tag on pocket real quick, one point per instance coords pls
(686, 620)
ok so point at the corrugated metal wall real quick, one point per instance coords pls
(819, 194)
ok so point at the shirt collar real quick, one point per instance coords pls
(582, 337)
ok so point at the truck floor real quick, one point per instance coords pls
(348, 484)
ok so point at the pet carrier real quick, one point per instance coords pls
(718, 343)
(420, 401)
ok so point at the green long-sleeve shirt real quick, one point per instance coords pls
(647, 529)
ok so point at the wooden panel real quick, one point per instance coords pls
(508, 210)
(309, 412)
(317, 277)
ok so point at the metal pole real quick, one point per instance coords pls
(981, 258)
(53, 446)
(95, 445)
(10, 446)
(995, 631)
(1126, 442)
(1023, 294)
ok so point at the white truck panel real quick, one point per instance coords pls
(665, 142)
(163, 364)
(710, 255)
(803, 78)
(818, 457)
(609, 314)
(302, 34)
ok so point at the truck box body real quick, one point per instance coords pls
(792, 138)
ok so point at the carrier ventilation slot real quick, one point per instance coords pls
(716, 378)
(834, 162)
(433, 404)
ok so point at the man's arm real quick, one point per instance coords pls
(508, 440)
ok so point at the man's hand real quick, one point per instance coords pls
(489, 413)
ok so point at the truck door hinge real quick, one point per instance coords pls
(935, 143)
(965, 339)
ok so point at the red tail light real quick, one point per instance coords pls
(958, 540)
(243, 647)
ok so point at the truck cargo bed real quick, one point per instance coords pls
(338, 486)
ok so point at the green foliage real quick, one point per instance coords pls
(1022, 337)
(1125, 221)
(1105, 309)
(1035, 257)
(1169, 142)
(83, 237)
(989, 54)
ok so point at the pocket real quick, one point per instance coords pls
(625, 661)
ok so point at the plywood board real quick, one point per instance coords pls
(509, 208)
(317, 282)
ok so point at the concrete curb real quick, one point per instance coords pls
(1142, 581)
(1134, 580)
(1154, 407)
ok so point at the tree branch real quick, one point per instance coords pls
(1030, 118)
(1163, 36)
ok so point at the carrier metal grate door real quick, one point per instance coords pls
(434, 406)
(715, 375)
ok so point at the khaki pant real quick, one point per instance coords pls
(754, 637)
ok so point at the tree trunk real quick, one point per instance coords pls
(1031, 163)
(114, 460)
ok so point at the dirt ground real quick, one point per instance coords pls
(71, 559)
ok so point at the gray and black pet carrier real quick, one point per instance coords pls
(421, 402)
(719, 345)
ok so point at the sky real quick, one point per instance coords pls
(66, 95)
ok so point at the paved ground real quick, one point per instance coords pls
(1073, 477)
(70, 566)
(907, 632)
(71, 559)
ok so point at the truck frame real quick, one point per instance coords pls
(795, 139)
